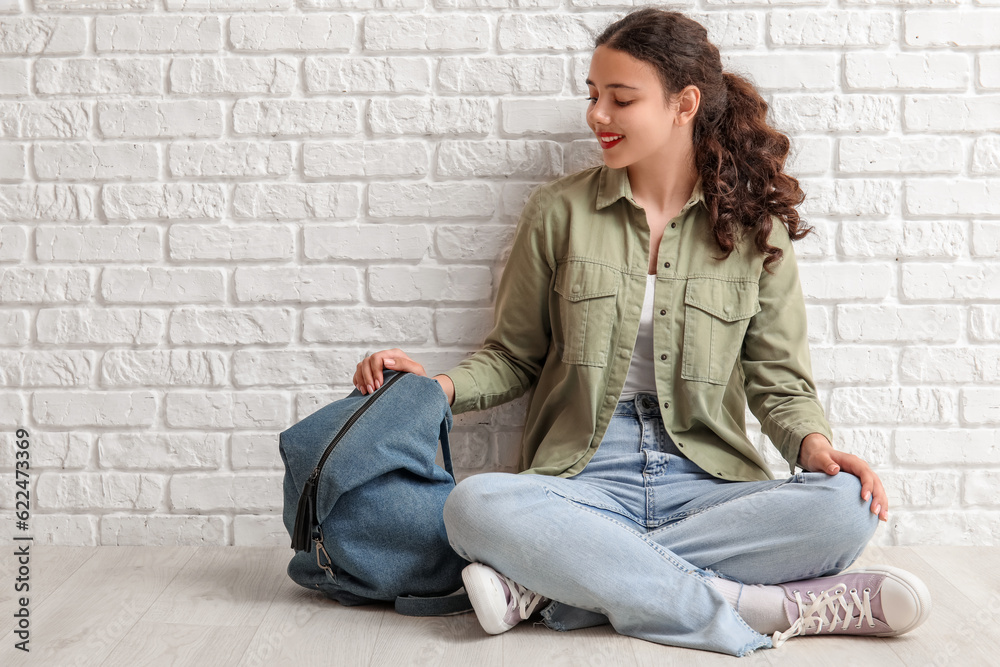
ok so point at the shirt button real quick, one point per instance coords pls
(576, 288)
(666, 264)
(673, 224)
(663, 356)
(666, 405)
(663, 312)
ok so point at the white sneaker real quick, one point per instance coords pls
(499, 603)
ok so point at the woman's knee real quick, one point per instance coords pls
(849, 520)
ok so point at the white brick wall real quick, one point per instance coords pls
(210, 210)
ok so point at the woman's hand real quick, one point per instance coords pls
(816, 454)
(368, 376)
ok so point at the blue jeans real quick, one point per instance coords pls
(635, 537)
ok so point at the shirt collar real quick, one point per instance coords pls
(613, 184)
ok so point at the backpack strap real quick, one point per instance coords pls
(446, 448)
(443, 605)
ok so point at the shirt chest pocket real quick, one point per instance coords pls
(716, 315)
(587, 310)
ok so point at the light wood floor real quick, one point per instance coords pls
(216, 606)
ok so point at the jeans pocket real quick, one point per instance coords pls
(587, 311)
(716, 315)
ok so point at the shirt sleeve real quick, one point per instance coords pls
(514, 351)
(775, 358)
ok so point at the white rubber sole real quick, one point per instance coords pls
(487, 597)
(911, 583)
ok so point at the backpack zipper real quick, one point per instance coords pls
(305, 513)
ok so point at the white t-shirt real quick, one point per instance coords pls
(640, 372)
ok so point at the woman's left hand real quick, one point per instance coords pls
(816, 454)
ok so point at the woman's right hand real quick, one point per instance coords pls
(368, 376)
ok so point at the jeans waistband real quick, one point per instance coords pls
(643, 404)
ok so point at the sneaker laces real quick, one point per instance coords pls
(832, 600)
(525, 600)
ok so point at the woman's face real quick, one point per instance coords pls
(626, 98)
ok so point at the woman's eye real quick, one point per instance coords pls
(621, 104)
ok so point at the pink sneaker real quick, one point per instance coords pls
(500, 604)
(879, 600)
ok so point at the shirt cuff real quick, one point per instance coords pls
(466, 390)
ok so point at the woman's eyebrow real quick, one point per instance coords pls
(613, 85)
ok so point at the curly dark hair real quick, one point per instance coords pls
(739, 156)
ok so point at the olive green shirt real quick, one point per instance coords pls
(725, 333)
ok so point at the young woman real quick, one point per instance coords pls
(648, 301)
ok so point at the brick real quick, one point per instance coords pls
(69, 368)
(437, 32)
(104, 490)
(985, 155)
(951, 113)
(845, 281)
(946, 447)
(421, 200)
(139, 243)
(952, 196)
(982, 487)
(89, 162)
(44, 120)
(227, 159)
(14, 327)
(226, 410)
(373, 326)
(893, 405)
(290, 367)
(292, 33)
(305, 284)
(38, 285)
(99, 76)
(153, 530)
(776, 71)
(82, 408)
(158, 34)
(465, 327)
(432, 283)
(366, 242)
(984, 323)
(367, 75)
(104, 326)
(548, 31)
(288, 201)
(921, 488)
(910, 239)
(364, 158)
(435, 116)
(831, 28)
(950, 281)
(227, 5)
(46, 202)
(232, 75)
(30, 36)
(809, 156)
(988, 67)
(834, 113)
(957, 528)
(229, 326)
(906, 71)
(949, 365)
(293, 118)
(889, 323)
(534, 160)
(985, 239)
(171, 451)
(12, 410)
(473, 243)
(15, 78)
(867, 197)
(255, 450)
(843, 364)
(162, 284)
(91, 6)
(954, 28)
(915, 155)
(980, 406)
(145, 368)
(500, 75)
(52, 450)
(527, 117)
(13, 243)
(172, 201)
(156, 119)
(241, 492)
(231, 242)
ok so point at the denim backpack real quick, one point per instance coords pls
(362, 490)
